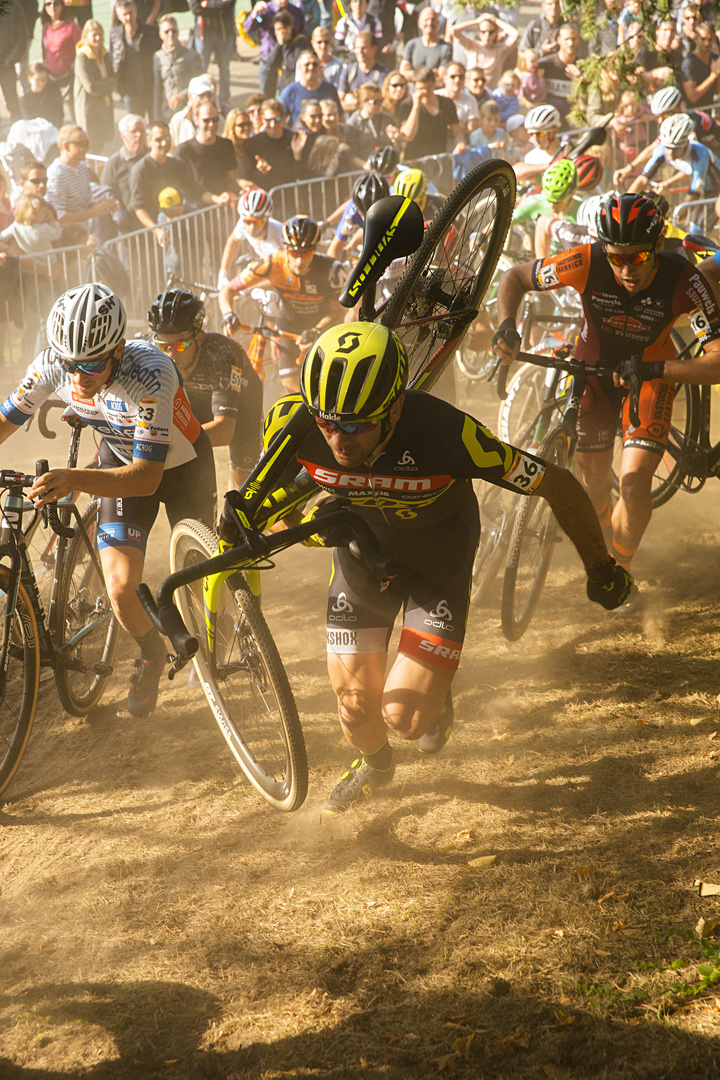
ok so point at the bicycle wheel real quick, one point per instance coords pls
(451, 270)
(243, 677)
(84, 613)
(19, 686)
(497, 509)
(531, 547)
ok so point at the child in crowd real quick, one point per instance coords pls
(34, 230)
(172, 206)
(518, 141)
(507, 95)
(632, 135)
(532, 84)
(489, 133)
(43, 99)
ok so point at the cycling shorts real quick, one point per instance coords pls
(288, 355)
(434, 598)
(188, 491)
(247, 438)
(603, 407)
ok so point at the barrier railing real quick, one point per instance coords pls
(317, 198)
(700, 214)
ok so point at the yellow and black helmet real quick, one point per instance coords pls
(354, 372)
(412, 184)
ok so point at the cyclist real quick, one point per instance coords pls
(556, 199)
(589, 174)
(404, 461)
(632, 293)
(153, 450)
(307, 284)
(689, 158)
(367, 189)
(256, 231)
(225, 393)
(413, 184)
(542, 125)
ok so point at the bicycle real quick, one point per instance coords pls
(236, 659)
(78, 636)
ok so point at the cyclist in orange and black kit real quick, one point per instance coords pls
(632, 293)
(308, 285)
(404, 461)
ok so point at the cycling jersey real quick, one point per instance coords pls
(351, 220)
(268, 244)
(418, 498)
(699, 163)
(144, 413)
(223, 383)
(303, 300)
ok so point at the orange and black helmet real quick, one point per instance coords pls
(629, 219)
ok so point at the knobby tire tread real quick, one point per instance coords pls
(16, 719)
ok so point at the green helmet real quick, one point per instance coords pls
(559, 180)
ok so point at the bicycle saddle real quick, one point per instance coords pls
(393, 230)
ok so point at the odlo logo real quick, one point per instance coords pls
(342, 610)
(407, 461)
(440, 617)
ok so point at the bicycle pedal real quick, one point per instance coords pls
(101, 668)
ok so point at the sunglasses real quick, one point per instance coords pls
(37, 180)
(361, 428)
(300, 254)
(244, 124)
(253, 220)
(273, 119)
(397, 85)
(175, 346)
(87, 367)
(637, 259)
(541, 133)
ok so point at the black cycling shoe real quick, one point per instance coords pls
(144, 684)
(439, 731)
(633, 605)
(358, 783)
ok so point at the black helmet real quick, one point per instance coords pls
(300, 233)
(384, 160)
(660, 201)
(176, 311)
(629, 219)
(368, 189)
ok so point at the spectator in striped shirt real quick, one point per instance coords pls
(68, 187)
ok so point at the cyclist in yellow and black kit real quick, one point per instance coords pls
(404, 460)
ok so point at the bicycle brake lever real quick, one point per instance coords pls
(634, 402)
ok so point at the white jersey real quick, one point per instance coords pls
(269, 244)
(143, 414)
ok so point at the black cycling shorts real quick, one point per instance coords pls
(247, 439)
(188, 491)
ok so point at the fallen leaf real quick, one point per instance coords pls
(618, 925)
(499, 736)
(48, 948)
(170, 1062)
(713, 734)
(564, 1018)
(463, 1044)
(705, 888)
(226, 841)
(586, 871)
(700, 720)
(448, 847)
(484, 860)
(444, 1062)
(465, 836)
(642, 723)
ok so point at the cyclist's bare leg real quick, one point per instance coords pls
(291, 383)
(123, 570)
(414, 696)
(633, 511)
(595, 475)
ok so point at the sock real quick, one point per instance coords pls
(151, 645)
(604, 515)
(381, 759)
(622, 555)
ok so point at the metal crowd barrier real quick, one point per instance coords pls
(316, 198)
(134, 264)
(699, 213)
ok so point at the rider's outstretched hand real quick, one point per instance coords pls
(643, 370)
(609, 584)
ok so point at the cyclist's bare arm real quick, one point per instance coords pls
(575, 514)
(138, 478)
(642, 159)
(230, 253)
(514, 283)
(701, 370)
(229, 292)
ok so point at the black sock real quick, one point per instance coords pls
(151, 645)
(381, 759)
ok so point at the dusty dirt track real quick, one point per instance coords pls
(157, 920)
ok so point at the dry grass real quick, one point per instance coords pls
(157, 920)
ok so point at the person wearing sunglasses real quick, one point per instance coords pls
(632, 293)
(225, 393)
(152, 450)
(307, 285)
(257, 233)
(694, 165)
(404, 461)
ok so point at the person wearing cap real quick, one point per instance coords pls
(173, 68)
(182, 125)
(131, 47)
(209, 158)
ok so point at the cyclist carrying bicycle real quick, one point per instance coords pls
(632, 292)
(404, 461)
(307, 284)
(224, 391)
(153, 450)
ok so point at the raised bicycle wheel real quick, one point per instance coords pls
(531, 547)
(19, 686)
(497, 510)
(451, 270)
(243, 677)
(84, 609)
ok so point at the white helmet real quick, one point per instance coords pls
(665, 100)
(587, 211)
(676, 130)
(86, 322)
(255, 203)
(541, 118)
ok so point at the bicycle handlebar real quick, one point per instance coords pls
(165, 616)
(9, 478)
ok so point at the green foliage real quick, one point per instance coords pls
(607, 994)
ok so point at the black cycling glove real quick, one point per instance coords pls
(332, 536)
(644, 370)
(609, 584)
(507, 332)
(230, 319)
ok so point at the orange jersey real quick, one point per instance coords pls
(303, 300)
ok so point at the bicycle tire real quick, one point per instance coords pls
(18, 699)
(519, 412)
(531, 547)
(82, 676)
(451, 270)
(243, 677)
(496, 514)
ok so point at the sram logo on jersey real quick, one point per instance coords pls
(335, 479)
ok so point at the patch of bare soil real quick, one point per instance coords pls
(157, 920)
